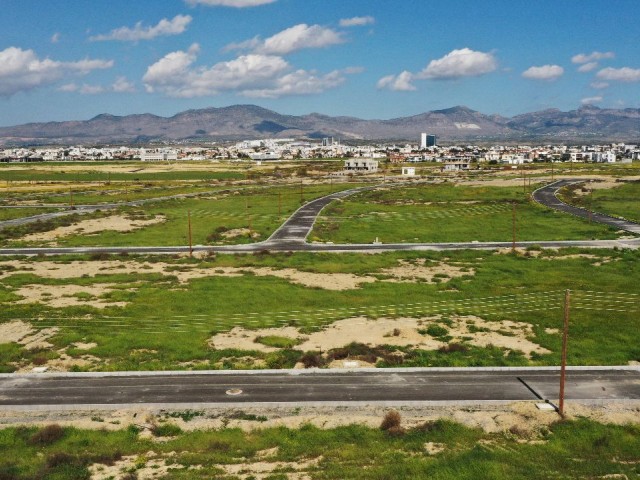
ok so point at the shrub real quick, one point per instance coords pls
(47, 435)
(166, 430)
(453, 347)
(437, 331)
(312, 360)
(391, 420)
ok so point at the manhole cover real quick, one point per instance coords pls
(234, 391)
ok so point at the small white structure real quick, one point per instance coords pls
(365, 165)
(455, 166)
(158, 155)
(408, 171)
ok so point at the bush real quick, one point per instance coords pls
(166, 430)
(391, 420)
(453, 347)
(437, 331)
(312, 360)
(47, 435)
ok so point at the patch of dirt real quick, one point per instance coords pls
(116, 223)
(84, 346)
(434, 448)
(482, 333)
(147, 466)
(263, 469)
(421, 270)
(60, 296)
(240, 232)
(327, 281)
(24, 334)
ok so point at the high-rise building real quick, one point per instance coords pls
(427, 141)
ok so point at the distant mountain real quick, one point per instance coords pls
(250, 121)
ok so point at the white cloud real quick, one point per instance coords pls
(593, 56)
(624, 74)
(587, 67)
(397, 83)
(545, 72)
(357, 21)
(252, 75)
(294, 38)
(230, 3)
(22, 70)
(459, 63)
(165, 27)
(55, 38)
(599, 85)
(591, 100)
(122, 85)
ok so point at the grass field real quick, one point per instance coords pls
(159, 313)
(448, 213)
(438, 449)
(621, 201)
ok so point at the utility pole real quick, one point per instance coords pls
(301, 194)
(565, 338)
(552, 170)
(71, 199)
(190, 239)
(590, 203)
(513, 227)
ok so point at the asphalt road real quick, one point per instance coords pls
(547, 196)
(416, 385)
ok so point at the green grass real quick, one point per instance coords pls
(167, 323)
(448, 213)
(277, 341)
(620, 201)
(569, 449)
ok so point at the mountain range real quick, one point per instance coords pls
(238, 122)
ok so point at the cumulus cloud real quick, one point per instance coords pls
(121, 85)
(165, 27)
(459, 63)
(397, 83)
(624, 74)
(456, 64)
(587, 67)
(230, 3)
(591, 57)
(357, 21)
(294, 38)
(591, 100)
(599, 85)
(545, 72)
(22, 70)
(252, 75)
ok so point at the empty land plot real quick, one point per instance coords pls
(448, 213)
(438, 309)
(615, 198)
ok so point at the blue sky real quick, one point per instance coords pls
(74, 59)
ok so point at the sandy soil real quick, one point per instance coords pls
(384, 331)
(240, 232)
(21, 332)
(404, 271)
(60, 296)
(421, 270)
(491, 418)
(116, 223)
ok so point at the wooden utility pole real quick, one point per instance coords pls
(513, 228)
(71, 198)
(301, 193)
(190, 239)
(565, 338)
(552, 170)
(590, 203)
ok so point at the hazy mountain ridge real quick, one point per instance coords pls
(238, 122)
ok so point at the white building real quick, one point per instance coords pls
(158, 155)
(408, 171)
(365, 165)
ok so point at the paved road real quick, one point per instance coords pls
(414, 385)
(547, 196)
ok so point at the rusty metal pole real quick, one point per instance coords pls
(565, 339)
(190, 239)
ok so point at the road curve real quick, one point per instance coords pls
(295, 386)
(547, 196)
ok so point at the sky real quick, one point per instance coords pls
(75, 59)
